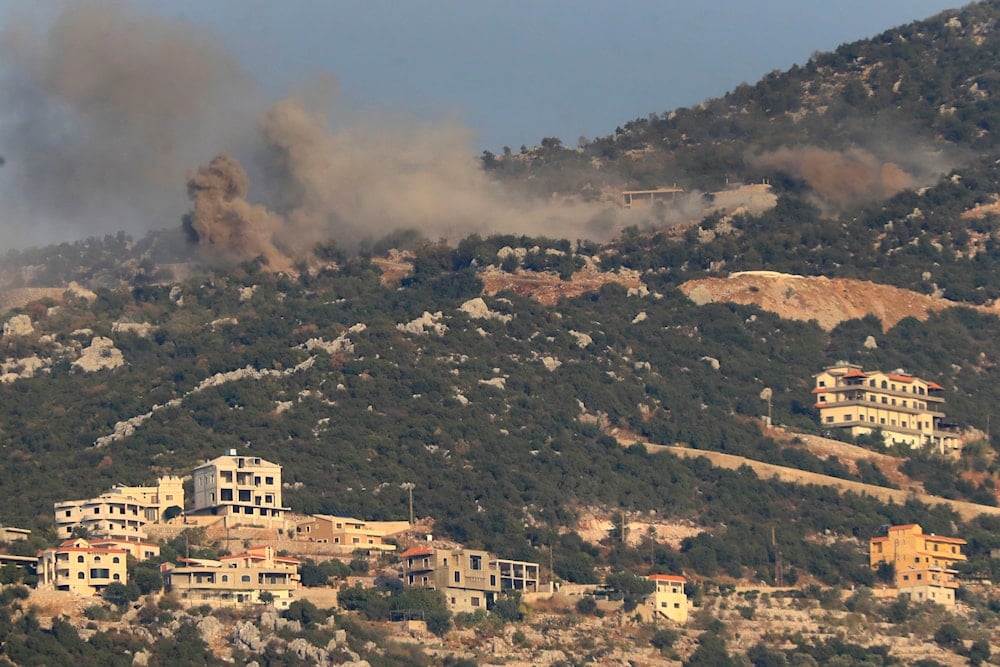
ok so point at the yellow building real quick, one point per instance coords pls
(121, 513)
(923, 564)
(244, 490)
(234, 580)
(669, 600)
(907, 409)
(140, 551)
(348, 532)
(79, 567)
(470, 579)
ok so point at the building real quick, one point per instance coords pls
(79, 567)
(140, 551)
(234, 580)
(906, 409)
(123, 512)
(922, 564)
(244, 490)
(11, 534)
(669, 599)
(470, 579)
(640, 198)
(348, 532)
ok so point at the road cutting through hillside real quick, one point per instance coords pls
(964, 509)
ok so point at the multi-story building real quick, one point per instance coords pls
(244, 490)
(669, 600)
(906, 409)
(470, 579)
(922, 564)
(347, 532)
(123, 512)
(234, 580)
(79, 567)
(140, 551)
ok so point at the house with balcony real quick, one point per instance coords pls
(243, 490)
(923, 565)
(349, 533)
(668, 600)
(121, 513)
(252, 577)
(80, 567)
(469, 578)
(906, 409)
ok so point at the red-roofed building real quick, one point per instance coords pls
(79, 567)
(233, 580)
(922, 564)
(905, 409)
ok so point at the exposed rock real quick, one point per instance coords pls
(424, 323)
(828, 301)
(142, 329)
(341, 343)
(478, 310)
(223, 322)
(499, 383)
(870, 343)
(210, 628)
(582, 339)
(551, 363)
(641, 317)
(19, 325)
(246, 293)
(712, 361)
(102, 354)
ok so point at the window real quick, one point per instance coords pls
(474, 601)
(244, 495)
(269, 480)
(117, 577)
(822, 383)
(79, 559)
(475, 562)
(245, 578)
(847, 418)
(822, 399)
(81, 575)
(885, 400)
(829, 419)
(226, 495)
(116, 559)
(458, 577)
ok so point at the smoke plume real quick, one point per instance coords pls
(841, 179)
(102, 111)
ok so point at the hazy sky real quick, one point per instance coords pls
(106, 112)
(519, 70)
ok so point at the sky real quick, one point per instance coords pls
(515, 71)
(353, 117)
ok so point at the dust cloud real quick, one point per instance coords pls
(106, 114)
(843, 179)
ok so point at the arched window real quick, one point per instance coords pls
(245, 578)
(116, 559)
(79, 559)
(80, 575)
(117, 576)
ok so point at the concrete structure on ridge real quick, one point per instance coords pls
(244, 490)
(349, 533)
(470, 579)
(640, 198)
(922, 564)
(235, 580)
(669, 600)
(904, 408)
(79, 567)
(121, 513)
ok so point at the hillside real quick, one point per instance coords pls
(805, 298)
(499, 374)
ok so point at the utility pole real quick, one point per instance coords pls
(778, 578)
(408, 486)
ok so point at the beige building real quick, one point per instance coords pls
(641, 198)
(79, 567)
(668, 600)
(348, 532)
(11, 534)
(121, 513)
(907, 409)
(244, 490)
(922, 564)
(140, 551)
(470, 579)
(234, 580)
